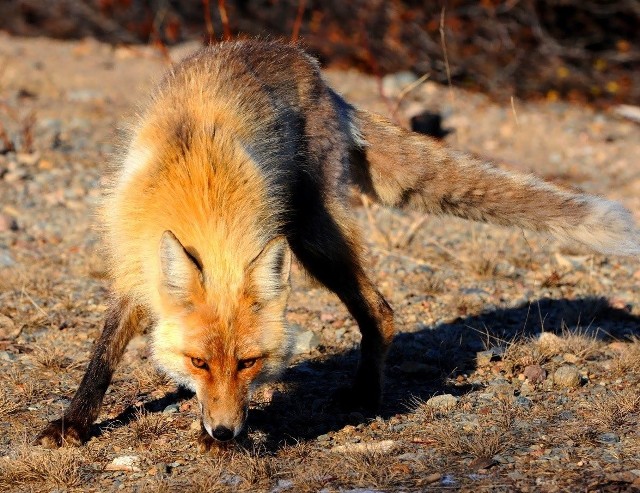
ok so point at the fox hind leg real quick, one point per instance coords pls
(328, 250)
(122, 322)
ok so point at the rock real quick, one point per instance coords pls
(84, 96)
(327, 317)
(549, 341)
(7, 223)
(571, 262)
(527, 388)
(281, 485)
(482, 463)
(6, 260)
(323, 438)
(28, 159)
(523, 402)
(570, 358)
(535, 374)
(443, 402)
(432, 478)
(8, 329)
(383, 446)
(171, 408)
(306, 340)
(608, 438)
(127, 463)
(621, 477)
(7, 356)
(618, 347)
(566, 416)
(483, 358)
(567, 376)
(393, 84)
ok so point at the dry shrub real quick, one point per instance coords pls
(482, 442)
(148, 377)
(310, 469)
(52, 358)
(255, 469)
(148, 426)
(8, 403)
(520, 354)
(615, 409)
(628, 361)
(432, 284)
(582, 342)
(212, 477)
(43, 469)
(366, 469)
(537, 351)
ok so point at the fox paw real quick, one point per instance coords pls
(61, 432)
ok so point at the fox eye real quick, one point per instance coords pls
(246, 363)
(256, 307)
(199, 363)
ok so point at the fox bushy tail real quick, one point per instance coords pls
(405, 169)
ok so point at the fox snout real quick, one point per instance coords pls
(223, 420)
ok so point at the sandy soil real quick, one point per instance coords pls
(517, 410)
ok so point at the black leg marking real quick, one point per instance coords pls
(122, 321)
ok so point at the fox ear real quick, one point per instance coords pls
(180, 271)
(269, 271)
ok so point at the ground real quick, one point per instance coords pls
(531, 347)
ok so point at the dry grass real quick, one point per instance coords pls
(148, 377)
(628, 361)
(483, 442)
(28, 467)
(211, 477)
(615, 410)
(8, 403)
(146, 426)
(579, 342)
(52, 358)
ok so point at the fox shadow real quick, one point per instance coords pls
(425, 363)
(420, 364)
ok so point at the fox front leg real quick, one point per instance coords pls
(73, 428)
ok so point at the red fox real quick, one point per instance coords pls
(243, 158)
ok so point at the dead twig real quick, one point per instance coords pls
(298, 22)
(406, 91)
(211, 34)
(410, 233)
(444, 51)
(224, 18)
(366, 203)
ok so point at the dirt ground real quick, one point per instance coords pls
(530, 347)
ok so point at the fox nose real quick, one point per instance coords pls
(222, 434)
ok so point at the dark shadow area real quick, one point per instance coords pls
(425, 363)
(420, 364)
(131, 412)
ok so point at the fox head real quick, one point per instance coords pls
(222, 341)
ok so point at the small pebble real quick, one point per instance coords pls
(483, 358)
(535, 373)
(127, 463)
(443, 402)
(608, 438)
(567, 377)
